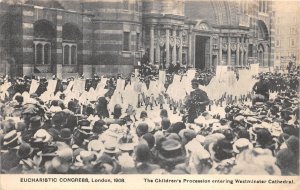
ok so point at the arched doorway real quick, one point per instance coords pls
(44, 45)
(263, 50)
(260, 54)
(72, 46)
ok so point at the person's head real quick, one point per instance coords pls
(195, 84)
(287, 162)
(142, 153)
(223, 149)
(142, 129)
(117, 111)
(202, 161)
(143, 115)
(149, 138)
(164, 113)
(263, 137)
(165, 123)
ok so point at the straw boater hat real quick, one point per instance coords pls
(42, 136)
(11, 139)
(110, 147)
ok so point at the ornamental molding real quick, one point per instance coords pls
(171, 41)
(224, 47)
(233, 47)
(162, 41)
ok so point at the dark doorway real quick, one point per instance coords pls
(201, 52)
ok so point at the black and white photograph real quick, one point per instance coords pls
(162, 87)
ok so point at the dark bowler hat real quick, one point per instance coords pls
(99, 127)
(24, 151)
(35, 122)
(65, 134)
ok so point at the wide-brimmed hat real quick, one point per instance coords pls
(171, 148)
(86, 156)
(10, 138)
(41, 136)
(24, 151)
(127, 147)
(241, 144)
(110, 147)
(95, 145)
(99, 127)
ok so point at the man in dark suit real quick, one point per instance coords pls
(196, 102)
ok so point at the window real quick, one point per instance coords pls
(70, 53)
(126, 41)
(250, 50)
(293, 30)
(292, 42)
(137, 41)
(277, 43)
(137, 5)
(125, 4)
(42, 52)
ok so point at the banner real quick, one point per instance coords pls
(79, 85)
(51, 86)
(255, 69)
(33, 86)
(69, 87)
(162, 76)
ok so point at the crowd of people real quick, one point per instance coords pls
(152, 134)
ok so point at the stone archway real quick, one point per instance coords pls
(44, 46)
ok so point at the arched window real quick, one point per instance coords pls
(47, 54)
(74, 55)
(44, 34)
(71, 37)
(66, 54)
(39, 54)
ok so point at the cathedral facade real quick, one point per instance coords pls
(67, 38)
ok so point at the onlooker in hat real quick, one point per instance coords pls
(101, 107)
(9, 158)
(98, 128)
(66, 136)
(287, 162)
(35, 124)
(142, 158)
(170, 154)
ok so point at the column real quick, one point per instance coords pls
(59, 51)
(228, 52)
(43, 54)
(174, 47)
(238, 52)
(151, 43)
(35, 52)
(190, 49)
(158, 47)
(242, 52)
(70, 54)
(180, 48)
(167, 48)
(220, 51)
(246, 53)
